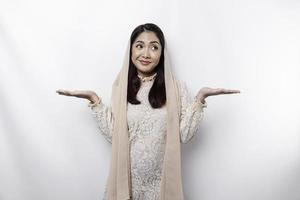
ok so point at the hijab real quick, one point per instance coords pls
(119, 181)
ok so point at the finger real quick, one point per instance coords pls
(220, 91)
(77, 92)
(60, 91)
(232, 91)
(223, 90)
(64, 92)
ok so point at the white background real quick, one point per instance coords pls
(247, 147)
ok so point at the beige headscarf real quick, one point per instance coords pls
(119, 182)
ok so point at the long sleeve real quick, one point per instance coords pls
(191, 114)
(104, 118)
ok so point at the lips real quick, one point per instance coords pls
(144, 62)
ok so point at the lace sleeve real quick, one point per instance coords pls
(191, 114)
(104, 117)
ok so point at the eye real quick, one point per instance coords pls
(139, 46)
(154, 47)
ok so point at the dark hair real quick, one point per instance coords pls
(157, 93)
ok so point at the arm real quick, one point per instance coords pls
(191, 114)
(101, 112)
(104, 117)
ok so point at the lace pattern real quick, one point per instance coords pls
(147, 136)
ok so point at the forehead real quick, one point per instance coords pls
(147, 37)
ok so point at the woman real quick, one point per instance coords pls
(151, 114)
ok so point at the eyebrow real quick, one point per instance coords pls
(150, 42)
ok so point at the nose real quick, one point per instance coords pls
(146, 53)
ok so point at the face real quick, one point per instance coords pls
(145, 53)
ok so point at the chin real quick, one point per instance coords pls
(145, 69)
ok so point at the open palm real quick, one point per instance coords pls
(207, 91)
(86, 94)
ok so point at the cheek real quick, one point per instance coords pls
(134, 56)
(133, 51)
(156, 57)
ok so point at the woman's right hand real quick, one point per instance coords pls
(86, 94)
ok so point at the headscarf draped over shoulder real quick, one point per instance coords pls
(119, 183)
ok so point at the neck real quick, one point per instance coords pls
(146, 74)
(148, 77)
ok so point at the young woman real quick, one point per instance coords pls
(151, 114)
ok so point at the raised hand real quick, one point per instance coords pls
(206, 91)
(86, 94)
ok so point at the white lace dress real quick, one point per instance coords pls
(147, 130)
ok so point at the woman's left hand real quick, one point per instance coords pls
(206, 91)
